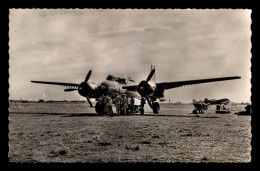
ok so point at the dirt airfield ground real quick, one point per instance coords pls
(72, 132)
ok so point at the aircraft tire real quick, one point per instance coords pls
(141, 110)
(99, 108)
(156, 107)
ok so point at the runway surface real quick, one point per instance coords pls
(72, 132)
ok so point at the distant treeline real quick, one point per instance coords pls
(46, 101)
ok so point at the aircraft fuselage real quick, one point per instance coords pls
(105, 87)
(220, 101)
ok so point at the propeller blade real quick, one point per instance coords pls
(89, 101)
(150, 75)
(149, 102)
(70, 89)
(88, 76)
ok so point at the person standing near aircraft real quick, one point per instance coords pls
(218, 107)
(125, 103)
(108, 104)
(132, 104)
(118, 101)
(101, 101)
(248, 109)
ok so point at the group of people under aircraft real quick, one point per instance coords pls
(199, 107)
(122, 104)
(219, 107)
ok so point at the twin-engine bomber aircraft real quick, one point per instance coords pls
(146, 89)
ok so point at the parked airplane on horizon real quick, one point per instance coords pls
(224, 101)
(146, 89)
(204, 104)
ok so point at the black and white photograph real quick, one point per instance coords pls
(129, 86)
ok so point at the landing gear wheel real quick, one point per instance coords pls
(99, 108)
(156, 108)
(194, 111)
(141, 111)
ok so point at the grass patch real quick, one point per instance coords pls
(145, 142)
(133, 148)
(204, 159)
(162, 143)
(104, 143)
(62, 152)
(187, 135)
(156, 136)
(57, 153)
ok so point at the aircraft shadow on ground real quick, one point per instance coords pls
(184, 116)
(97, 115)
(156, 115)
(58, 113)
(82, 114)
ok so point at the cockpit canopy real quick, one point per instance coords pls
(122, 80)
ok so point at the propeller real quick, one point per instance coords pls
(149, 101)
(144, 88)
(84, 88)
(88, 76)
(86, 81)
(89, 101)
(150, 75)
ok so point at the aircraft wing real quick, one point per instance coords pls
(57, 83)
(169, 85)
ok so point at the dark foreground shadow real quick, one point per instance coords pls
(82, 114)
(156, 115)
(181, 116)
(97, 115)
(60, 113)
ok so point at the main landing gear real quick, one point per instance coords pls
(156, 107)
(153, 104)
(100, 108)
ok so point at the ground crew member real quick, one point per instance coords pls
(125, 103)
(132, 104)
(248, 109)
(142, 106)
(104, 104)
(198, 108)
(218, 107)
(101, 101)
(118, 101)
(109, 104)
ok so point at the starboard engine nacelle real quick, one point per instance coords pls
(146, 88)
(87, 89)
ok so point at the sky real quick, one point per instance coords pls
(64, 44)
